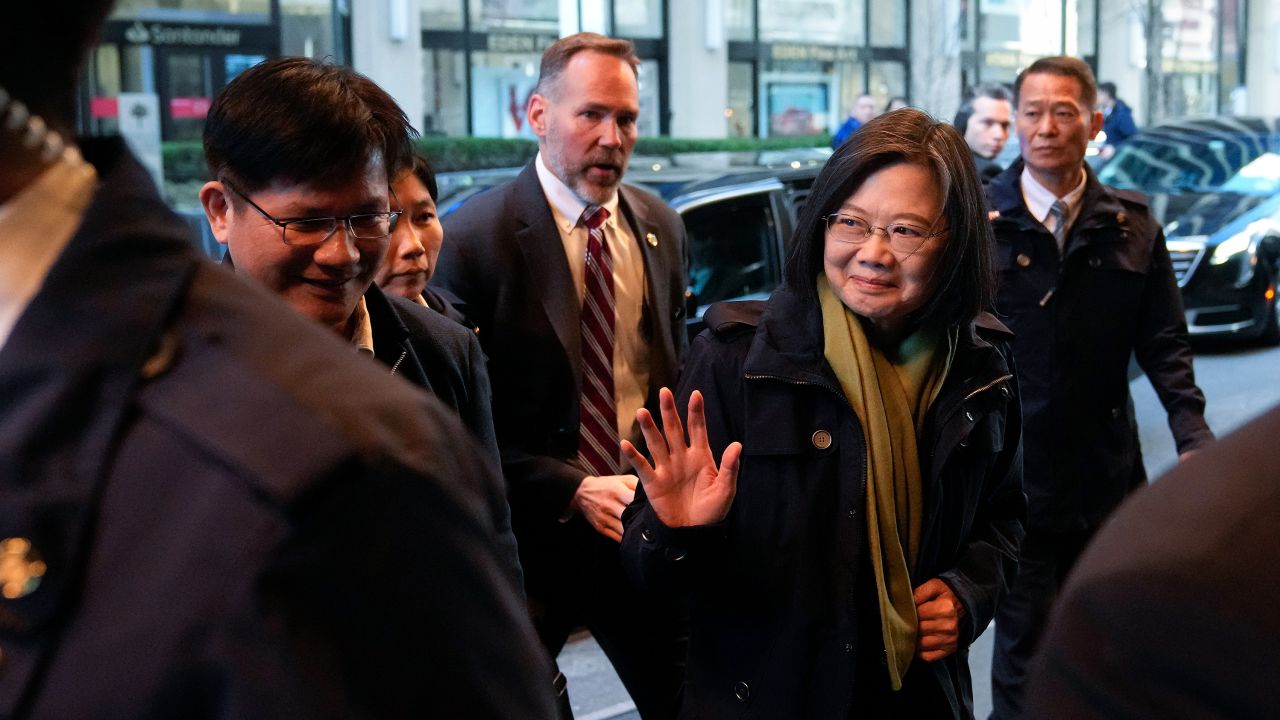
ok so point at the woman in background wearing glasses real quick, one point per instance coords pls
(866, 510)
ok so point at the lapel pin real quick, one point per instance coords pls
(1120, 218)
(651, 239)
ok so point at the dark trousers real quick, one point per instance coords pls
(644, 636)
(1044, 562)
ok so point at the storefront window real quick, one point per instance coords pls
(888, 23)
(739, 115)
(1190, 57)
(834, 22)
(445, 97)
(441, 14)
(307, 29)
(637, 18)
(650, 108)
(539, 15)
(739, 20)
(1014, 33)
(208, 11)
(887, 80)
(501, 84)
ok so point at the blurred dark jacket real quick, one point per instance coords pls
(236, 516)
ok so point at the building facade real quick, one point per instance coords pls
(711, 68)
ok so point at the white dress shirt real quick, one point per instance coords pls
(631, 349)
(1040, 199)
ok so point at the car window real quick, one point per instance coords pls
(733, 249)
(1160, 162)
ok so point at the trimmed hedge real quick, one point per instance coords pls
(184, 160)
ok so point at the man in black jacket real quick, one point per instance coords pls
(193, 522)
(1085, 282)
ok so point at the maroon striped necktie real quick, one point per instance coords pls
(598, 434)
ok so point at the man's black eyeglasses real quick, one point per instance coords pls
(315, 230)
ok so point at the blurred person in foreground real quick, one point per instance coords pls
(1085, 284)
(576, 283)
(865, 513)
(415, 243)
(863, 110)
(984, 121)
(193, 523)
(1171, 610)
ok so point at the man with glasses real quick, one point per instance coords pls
(1085, 284)
(311, 221)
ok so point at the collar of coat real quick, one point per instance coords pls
(1101, 206)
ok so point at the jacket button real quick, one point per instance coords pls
(853, 514)
(968, 415)
(1095, 262)
(848, 647)
(964, 442)
(644, 535)
(822, 439)
(1120, 218)
(1023, 260)
(21, 568)
(742, 691)
(675, 554)
(1115, 412)
(1004, 391)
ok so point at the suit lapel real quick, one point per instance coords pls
(539, 241)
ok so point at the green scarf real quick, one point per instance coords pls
(891, 390)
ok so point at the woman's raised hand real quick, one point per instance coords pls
(684, 485)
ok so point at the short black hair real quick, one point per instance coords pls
(995, 91)
(1108, 88)
(964, 283)
(1062, 66)
(301, 121)
(422, 170)
(43, 45)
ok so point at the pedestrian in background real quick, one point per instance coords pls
(1085, 284)
(865, 513)
(864, 108)
(1117, 122)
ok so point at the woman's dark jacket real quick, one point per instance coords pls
(775, 590)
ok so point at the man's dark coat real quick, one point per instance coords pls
(237, 516)
(1076, 322)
